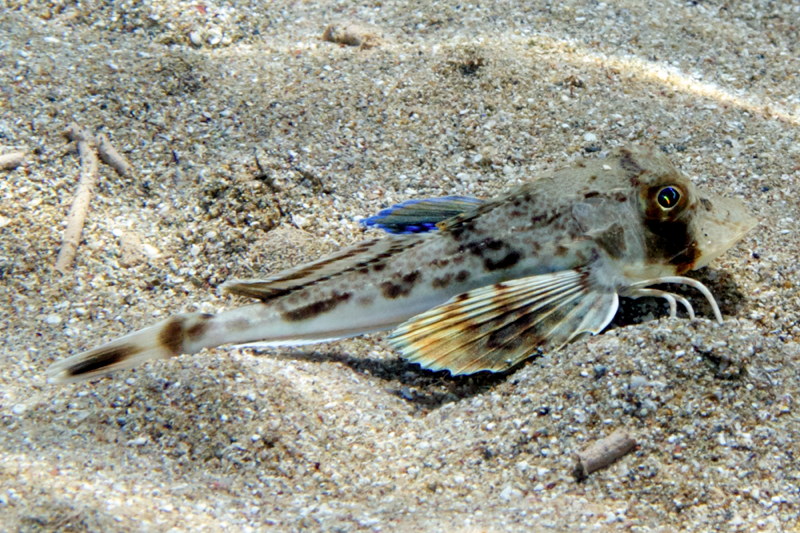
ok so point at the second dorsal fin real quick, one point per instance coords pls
(353, 257)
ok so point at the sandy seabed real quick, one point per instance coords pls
(257, 145)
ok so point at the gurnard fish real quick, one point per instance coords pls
(471, 285)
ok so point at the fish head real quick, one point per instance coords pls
(718, 224)
(684, 228)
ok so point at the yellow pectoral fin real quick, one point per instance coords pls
(498, 326)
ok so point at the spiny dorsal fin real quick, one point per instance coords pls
(498, 326)
(420, 215)
(362, 255)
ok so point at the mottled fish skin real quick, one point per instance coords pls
(504, 280)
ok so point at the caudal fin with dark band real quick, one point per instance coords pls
(165, 339)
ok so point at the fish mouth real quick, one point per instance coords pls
(718, 224)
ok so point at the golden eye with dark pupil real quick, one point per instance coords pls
(668, 197)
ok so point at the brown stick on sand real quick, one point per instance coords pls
(80, 205)
(602, 453)
(112, 158)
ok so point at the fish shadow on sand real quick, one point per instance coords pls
(424, 388)
(430, 390)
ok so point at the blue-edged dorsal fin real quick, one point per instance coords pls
(420, 215)
(498, 326)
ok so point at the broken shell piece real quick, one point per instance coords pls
(11, 160)
(353, 34)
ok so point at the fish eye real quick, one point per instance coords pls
(668, 197)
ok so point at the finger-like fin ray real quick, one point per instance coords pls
(641, 289)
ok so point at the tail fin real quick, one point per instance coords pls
(165, 339)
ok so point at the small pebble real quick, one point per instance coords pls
(195, 38)
(353, 34)
(510, 493)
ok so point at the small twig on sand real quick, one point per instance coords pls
(80, 205)
(11, 160)
(602, 453)
(112, 158)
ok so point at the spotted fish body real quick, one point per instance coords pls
(494, 283)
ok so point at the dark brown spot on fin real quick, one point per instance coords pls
(199, 327)
(317, 308)
(310, 269)
(459, 226)
(391, 290)
(612, 240)
(442, 282)
(257, 290)
(102, 360)
(510, 259)
(411, 277)
(401, 287)
(171, 335)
